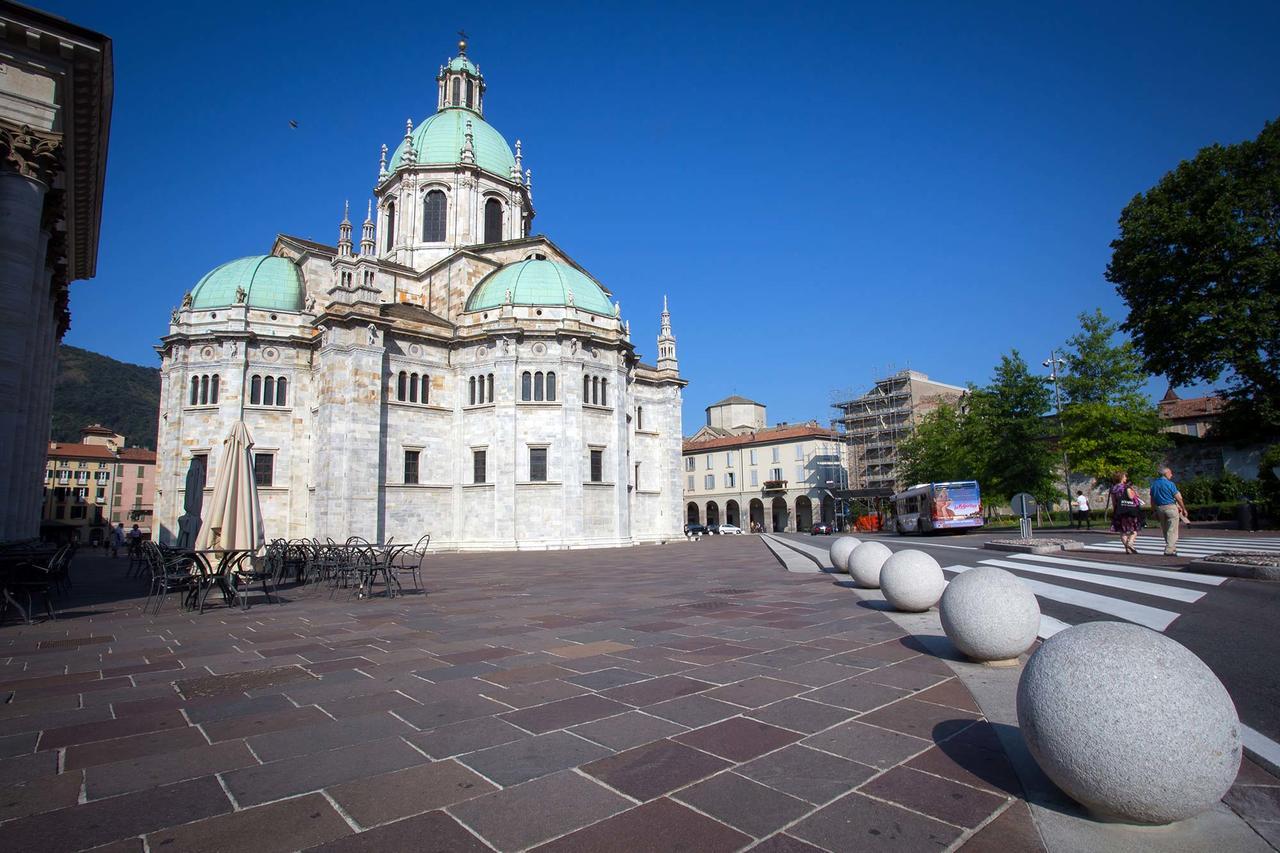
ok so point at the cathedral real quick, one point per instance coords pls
(450, 374)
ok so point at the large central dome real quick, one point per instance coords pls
(438, 141)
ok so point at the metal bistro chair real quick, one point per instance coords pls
(269, 572)
(169, 573)
(409, 562)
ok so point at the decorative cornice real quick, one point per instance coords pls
(30, 153)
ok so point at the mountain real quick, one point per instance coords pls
(94, 389)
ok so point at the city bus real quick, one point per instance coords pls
(929, 507)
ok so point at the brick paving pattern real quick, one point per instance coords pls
(691, 696)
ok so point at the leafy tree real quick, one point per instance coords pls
(939, 449)
(1008, 434)
(1198, 262)
(1108, 423)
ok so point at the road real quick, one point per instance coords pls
(1228, 623)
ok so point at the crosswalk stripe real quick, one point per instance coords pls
(1140, 614)
(1175, 593)
(1050, 626)
(1180, 577)
(1199, 544)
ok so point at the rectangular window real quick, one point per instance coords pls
(263, 468)
(753, 456)
(635, 480)
(77, 512)
(102, 493)
(137, 488)
(60, 512)
(755, 478)
(116, 500)
(776, 456)
(775, 473)
(799, 473)
(597, 466)
(411, 467)
(537, 464)
(691, 482)
(479, 466)
(140, 472)
(710, 462)
(728, 458)
(729, 480)
(689, 463)
(709, 482)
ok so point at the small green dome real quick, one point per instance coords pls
(461, 63)
(438, 141)
(269, 282)
(539, 282)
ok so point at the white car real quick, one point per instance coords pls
(729, 530)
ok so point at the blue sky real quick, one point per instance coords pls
(826, 191)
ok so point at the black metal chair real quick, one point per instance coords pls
(170, 572)
(409, 562)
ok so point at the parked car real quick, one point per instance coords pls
(695, 530)
(822, 528)
(729, 530)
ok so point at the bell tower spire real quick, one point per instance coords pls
(366, 232)
(344, 231)
(461, 85)
(666, 341)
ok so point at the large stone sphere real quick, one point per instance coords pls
(912, 581)
(840, 551)
(865, 563)
(989, 614)
(1130, 723)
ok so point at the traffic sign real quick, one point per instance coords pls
(1023, 504)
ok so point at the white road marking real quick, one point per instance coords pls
(1050, 626)
(1175, 593)
(1140, 614)
(1181, 577)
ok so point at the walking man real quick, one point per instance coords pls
(1169, 509)
(1082, 511)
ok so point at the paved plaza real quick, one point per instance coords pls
(689, 697)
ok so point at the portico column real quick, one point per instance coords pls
(26, 163)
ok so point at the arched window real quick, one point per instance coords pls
(213, 390)
(195, 390)
(551, 386)
(526, 386)
(402, 390)
(639, 417)
(604, 392)
(457, 91)
(269, 391)
(470, 88)
(413, 387)
(434, 213)
(204, 389)
(391, 225)
(473, 391)
(282, 389)
(255, 391)
(426, 388)
(538, 387)
(490, 383)
(492, 221)
(595, 390)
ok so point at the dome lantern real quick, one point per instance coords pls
(460, 82)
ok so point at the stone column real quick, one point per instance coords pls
(27, 163)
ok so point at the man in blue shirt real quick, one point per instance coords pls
(1169, 509)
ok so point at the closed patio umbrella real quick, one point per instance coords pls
(232, 516)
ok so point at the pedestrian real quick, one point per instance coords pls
(1170, 509)
(135, 537)
(1082, 511)
(1126, 512)
(117, 539)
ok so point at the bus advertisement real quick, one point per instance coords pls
(938, 506)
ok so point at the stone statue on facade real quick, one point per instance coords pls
(506, 300)
(174, 315)
(241, 295)
(373, 335)
(187, 300)
(311, 303)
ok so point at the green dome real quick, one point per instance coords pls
(461, 63)
(438, 141)
(270, 282)
(538, 282)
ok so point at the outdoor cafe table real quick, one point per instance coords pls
(207, 576)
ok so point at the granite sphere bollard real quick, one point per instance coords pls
(989, 614)
(865, 563)
(912, 581)
(840, 551)
(1129, 723)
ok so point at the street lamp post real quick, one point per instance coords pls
(1055, 364)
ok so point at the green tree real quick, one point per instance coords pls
(939, 449)
(1198, 262)
(1008, 433)
(1108, 423)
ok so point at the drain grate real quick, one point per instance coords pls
(711, 605)
(728, 590)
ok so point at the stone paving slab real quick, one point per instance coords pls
(655, 698)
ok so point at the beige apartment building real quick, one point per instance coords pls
(874, 425)
(740, 471)
(95, 483)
